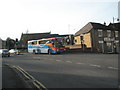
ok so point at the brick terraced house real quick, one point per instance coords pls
(99, 37)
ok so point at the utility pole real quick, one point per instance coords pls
(82, 42)
(114, 44)
(16, 43)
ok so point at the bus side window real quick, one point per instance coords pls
(48, 42)
(29, 43)
(32, 43)
(42, 42)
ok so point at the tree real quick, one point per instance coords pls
(10, 43)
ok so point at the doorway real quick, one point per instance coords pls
(109, 47)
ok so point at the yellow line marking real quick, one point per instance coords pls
(27, 75)
(36, 85)
(40, 84)
(23, 73)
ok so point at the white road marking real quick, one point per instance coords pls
(80, 63)
(47, 59)
(77, 63)
(95, 65)
(36, 57)
(69, 61)
(67, 57)
(50, 59)
(112, 68)
(58, 60)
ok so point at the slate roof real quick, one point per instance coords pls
(30, 36)
(90, 26)
(115, 26)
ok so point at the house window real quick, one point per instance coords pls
(75, 41)
(101, 46)
(116, 33)
(81, 38)
(108, 33)
(100, 33)
(100, 41)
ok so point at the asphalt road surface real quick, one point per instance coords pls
(70, 70)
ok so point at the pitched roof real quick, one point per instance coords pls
(115, 26)
(30, 36)
(90, 26)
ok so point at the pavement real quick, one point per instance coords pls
(10, 78)
(14, 77)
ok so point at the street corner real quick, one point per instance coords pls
(16, 77)
(10, 79)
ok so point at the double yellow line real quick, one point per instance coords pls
(29, 78)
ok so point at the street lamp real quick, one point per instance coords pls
(114, 43)
(82, 41)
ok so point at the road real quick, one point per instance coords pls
(70, 70)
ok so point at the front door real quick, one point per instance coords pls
(109, 47)
(117, 48)
(101, 47)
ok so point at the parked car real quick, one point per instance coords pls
(4, 52)
(14, 51)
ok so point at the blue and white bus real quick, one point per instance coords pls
(47, 45)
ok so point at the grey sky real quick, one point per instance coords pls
(57, 16)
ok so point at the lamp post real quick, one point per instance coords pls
(16, 43)
(82, 41)
(114, 43)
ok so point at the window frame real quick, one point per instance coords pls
(109, 34)
(116, 34)
(100, 33)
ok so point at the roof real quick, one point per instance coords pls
(30, 36)
(36, 36)
(46, 39)
(88, 27)
(115, 25)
